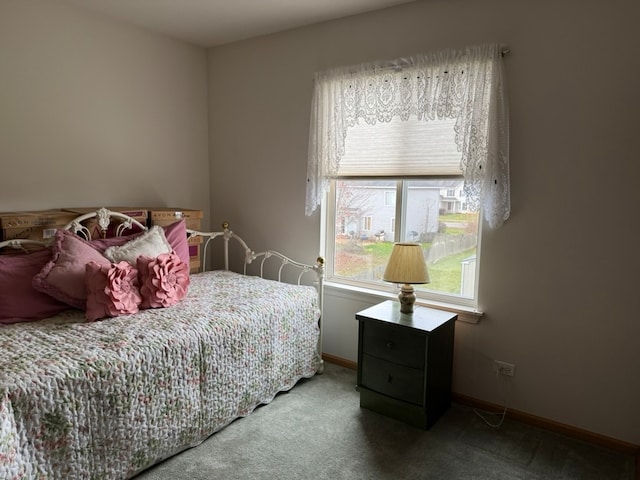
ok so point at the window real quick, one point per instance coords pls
(369, 196)
(389, 199)
(449, 239)
(409, 150)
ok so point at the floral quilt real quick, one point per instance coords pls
(107, 399)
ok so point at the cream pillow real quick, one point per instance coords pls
(150, 244)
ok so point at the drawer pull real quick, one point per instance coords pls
(389, 345)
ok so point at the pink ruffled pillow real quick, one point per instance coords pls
(164, 280)
(112, 290)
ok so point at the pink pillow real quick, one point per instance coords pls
(112, 290)
(101, 244)
(176, 235)
(164, 280)
(19, 302)
(63, 277)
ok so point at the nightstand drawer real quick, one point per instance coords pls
(394, 344)
(397, 381)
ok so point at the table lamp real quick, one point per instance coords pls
(406, 266)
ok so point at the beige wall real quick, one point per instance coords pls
(558, 281)
(94, 112)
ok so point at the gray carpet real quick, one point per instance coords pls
(318, 431)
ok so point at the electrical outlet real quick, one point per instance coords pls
(504, 368)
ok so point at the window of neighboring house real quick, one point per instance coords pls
(366, 224)
(389, 199)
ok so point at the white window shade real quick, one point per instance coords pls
(401, 149)
(467, 86)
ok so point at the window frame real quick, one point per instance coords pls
(464, 305)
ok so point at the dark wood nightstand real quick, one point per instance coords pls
(405, 362)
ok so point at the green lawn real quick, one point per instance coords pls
(381, 250)
(445, 274)
(459, 217)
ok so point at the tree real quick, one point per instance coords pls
(351, 204)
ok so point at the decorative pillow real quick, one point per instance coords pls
(112, 290)
(176, 235)
(101, 244)
(164, 280)
(63, 277)
(19, 302)
(151, 244)
(96, 232)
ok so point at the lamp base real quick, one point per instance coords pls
(407, 298)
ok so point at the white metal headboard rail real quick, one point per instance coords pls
(250, 256)
(18, 243)
(104, 217)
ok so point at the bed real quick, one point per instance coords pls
(108, 398)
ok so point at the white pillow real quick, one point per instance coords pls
(151, 244)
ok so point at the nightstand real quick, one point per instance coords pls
(405, 362)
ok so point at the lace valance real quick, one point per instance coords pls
(467, 85)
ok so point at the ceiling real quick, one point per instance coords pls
(209, 23)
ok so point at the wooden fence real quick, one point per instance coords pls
(445, 245)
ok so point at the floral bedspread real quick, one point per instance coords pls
(105, 400)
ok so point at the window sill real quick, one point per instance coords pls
(465, 314)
